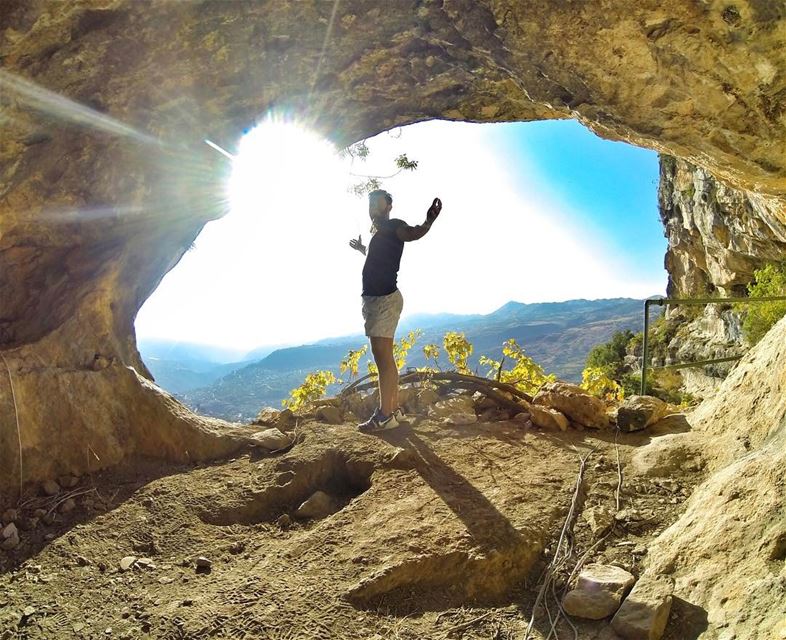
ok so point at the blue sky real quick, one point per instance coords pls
(608, 188)
(532, 212)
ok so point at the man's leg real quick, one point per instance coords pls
(382, 349)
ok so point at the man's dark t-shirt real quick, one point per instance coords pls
(383, 259)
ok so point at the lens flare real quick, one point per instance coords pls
(53, 104)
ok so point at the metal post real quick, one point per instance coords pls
(644, 348)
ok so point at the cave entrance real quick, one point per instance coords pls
(578, 215)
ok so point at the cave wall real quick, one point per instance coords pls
(104, 179)
(104, 182)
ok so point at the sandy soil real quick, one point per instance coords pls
(443, 532)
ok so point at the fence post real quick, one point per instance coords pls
(644, 348)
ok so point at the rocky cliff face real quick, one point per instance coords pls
(718, 235)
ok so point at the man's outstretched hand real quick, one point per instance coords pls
(434, 209)
(358, 244)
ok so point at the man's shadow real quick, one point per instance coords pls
(488, 528)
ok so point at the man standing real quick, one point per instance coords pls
(382, 301)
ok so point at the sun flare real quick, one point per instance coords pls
(282, 168)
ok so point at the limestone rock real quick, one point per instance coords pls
(319, 505)
(458, 405)
(645, 612)
(599, 519)
(50, 488)
(267, 417)
(639, 412)
(592, 605)
(458, 419)
(271, 439)
(548, 418)
(605, 577)
(667, 455)
(127, 562)
(9, 515)
(718, 236)
(329, 414)
(575, 403)
(9, 537)
(426, 398)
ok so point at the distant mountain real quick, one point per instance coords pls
(178, 377)
(557, 335)
(181, 366)
(188, 352)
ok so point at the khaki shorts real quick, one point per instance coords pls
(381, 314)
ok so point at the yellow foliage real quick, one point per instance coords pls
(458, 349)
(525, 374)
(351, 362)
(402, 347)
(597, 382)
(313, 388)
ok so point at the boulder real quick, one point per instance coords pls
(329, 414)
(286, 419)
(483, 403)
(50, 488)
(575, 403)
(353, 403)
(548, 418)
(319, 505)
(645, 612)
(407, 399)
(667, 455)
(639, 412)
(271, 439)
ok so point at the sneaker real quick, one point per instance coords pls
(400, 416)
(378, 422)
(371, 424)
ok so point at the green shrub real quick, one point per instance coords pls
(610, 356)
(760, 317)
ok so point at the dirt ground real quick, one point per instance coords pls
(444, 532)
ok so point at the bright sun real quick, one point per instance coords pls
(283, 169)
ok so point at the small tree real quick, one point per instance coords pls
(760, 317)
(458, 350)
(525, 374)
(313, 388)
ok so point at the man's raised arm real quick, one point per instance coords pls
(408, 234)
